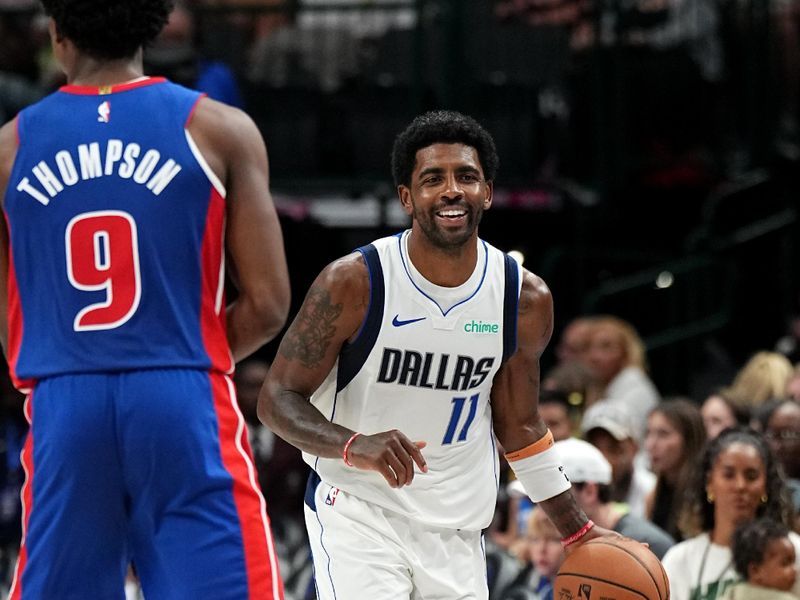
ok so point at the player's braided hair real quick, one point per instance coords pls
(109, 29)
(436, 127)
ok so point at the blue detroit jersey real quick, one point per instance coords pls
(116, 236)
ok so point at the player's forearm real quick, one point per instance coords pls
(292, 417)
(251, 324)
(564, 512)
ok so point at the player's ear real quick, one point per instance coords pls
(404, 193)
(55, 35)
(487, 201)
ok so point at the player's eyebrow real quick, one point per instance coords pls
(440, 170)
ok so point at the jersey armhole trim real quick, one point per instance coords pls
(212, 177)
(353, 356)
(194, 108)
(510, 307)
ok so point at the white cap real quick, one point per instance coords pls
(609, 417)
(583, 463)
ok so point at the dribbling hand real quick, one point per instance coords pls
(391, 454)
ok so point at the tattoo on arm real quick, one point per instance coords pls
(565, 513)
(310, 335)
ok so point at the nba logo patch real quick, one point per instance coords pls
(104, 112)
(585, 591)
(330, 499)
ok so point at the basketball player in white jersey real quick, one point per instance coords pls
(407, 361)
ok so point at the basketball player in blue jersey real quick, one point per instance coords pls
(407, 361)
(123, 196)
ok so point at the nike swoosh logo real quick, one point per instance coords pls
(398, 323)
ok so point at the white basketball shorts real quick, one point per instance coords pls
(363, 551)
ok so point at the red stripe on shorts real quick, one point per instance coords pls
(261, 562)
(27, 502)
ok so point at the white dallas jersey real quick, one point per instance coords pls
(423, 363)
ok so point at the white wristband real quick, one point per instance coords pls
(541, 475)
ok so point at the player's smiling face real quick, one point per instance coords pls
(448, 194)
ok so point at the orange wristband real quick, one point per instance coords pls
(537, 447)
(347, 449)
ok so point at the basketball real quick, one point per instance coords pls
(612, 569)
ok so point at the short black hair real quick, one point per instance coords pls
(442, 127)
(109, 29)
(750, 541)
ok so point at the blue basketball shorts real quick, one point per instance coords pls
(151, 467)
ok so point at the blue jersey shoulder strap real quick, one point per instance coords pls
(510, 307)
(354, 355)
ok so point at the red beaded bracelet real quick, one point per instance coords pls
(347, 449)
(578, 534)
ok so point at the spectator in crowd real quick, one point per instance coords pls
(675, 437)
(590, 474)
(720, 411)
(608, 428)
(555, 410)
(544, 554)
(574, 340)
(735, 481)
(616, 356)
(765, 559)
(575, 380)
(783, 434)
(762, 378)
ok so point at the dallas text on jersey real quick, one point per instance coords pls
(120, 158)
(408, 367)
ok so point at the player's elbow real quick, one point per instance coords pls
(271, 312)
(264, 408)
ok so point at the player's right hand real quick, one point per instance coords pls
(391, 454)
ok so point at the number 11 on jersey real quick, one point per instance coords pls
(455, 418)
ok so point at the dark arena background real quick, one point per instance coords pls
(648, 155)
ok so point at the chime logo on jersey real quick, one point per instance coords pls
(481, 327)
(104, 112)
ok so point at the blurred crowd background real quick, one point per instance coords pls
(649, 173)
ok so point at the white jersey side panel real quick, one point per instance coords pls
(428, 374)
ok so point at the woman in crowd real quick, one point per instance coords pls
(721, 411)
(736, 480)
(762, 378)
(675, 437)
(616, 357)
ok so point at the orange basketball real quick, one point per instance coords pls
(616, 569)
